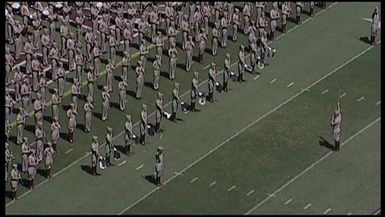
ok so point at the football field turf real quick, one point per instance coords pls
(262, 148)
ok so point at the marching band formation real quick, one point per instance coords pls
(50, 56)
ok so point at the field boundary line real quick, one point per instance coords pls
(248, 126)
(312, 165)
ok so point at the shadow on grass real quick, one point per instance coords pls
(48, 119)
(120, 148)
(8, 194)
(325, 143)
(81, 127)
(41, 172)
(365, 39)
(164, 74)
(149, 84)
(151, 179)
(131, 93)
(87, 169)
(98, 115)
(115, 105)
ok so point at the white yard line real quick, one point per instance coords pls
(250, 192)
(139, 167)
(311, 166)
(194, 179)
(70, 150)
(360, 99)
(379, 102)
(328, 210)
(325, 91)
(212, 184)
(342, 95)
(123, 162)
(291, 84)
(307, 206)
(288, 201)
(274, 80)
(231, 188)
(248, 126)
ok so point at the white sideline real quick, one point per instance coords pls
(311, 166)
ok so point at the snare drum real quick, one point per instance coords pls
(16, 8)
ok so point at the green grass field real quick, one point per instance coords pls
(261, 148)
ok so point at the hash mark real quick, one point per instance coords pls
(194, 179)
(360, 99)
(291, 84)
(325, 91)
(232, 187)
(122, 163)
(274, 80)
(307, 206)
(69, 151)
(250, 192)
(327, 211)
(212, 184)
(288, 201)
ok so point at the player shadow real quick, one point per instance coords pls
(25, 183)
(30, 128)
(83, 97)
(325, 143)
(15, 111)
(98, 115)
(179, 44)
(87, 169)
(115, 105)
(41, 172)
(365, 39)
(165, 52)
(81, 127)
(209, 51)
(103, 61)
(131, 93)
(164, 74)
(13, 139)
(292, 20)
(65, 107)
(181, 66)
(8, 194)
(195, 58)
(120, 53)
(151, 179)
(120, 148)
(64, 136)
(149, 84)
(135, 45)
(48, 119)
(151, 59)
